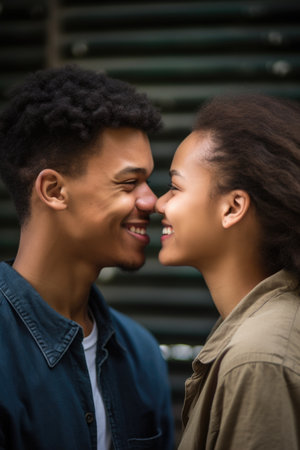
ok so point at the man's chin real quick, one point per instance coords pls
(131, 266)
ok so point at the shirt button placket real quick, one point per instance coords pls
(89, 417)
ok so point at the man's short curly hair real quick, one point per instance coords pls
(53, 120)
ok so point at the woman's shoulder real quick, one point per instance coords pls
(270, 335)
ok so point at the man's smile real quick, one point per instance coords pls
(138, 230)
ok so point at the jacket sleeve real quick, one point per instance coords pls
(256, 407)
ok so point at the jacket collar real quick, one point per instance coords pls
(52, 332)
(224, 330)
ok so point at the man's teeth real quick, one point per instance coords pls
(167, 230)
(137, 230)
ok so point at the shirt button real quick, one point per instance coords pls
(89, 417)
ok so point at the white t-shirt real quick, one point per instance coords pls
(103, 433)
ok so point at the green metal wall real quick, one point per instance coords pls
(180, 53)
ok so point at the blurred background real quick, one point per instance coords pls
(180, 54)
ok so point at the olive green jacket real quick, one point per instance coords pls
(244, 393)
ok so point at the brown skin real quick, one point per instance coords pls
(79, 225)
(218, 234)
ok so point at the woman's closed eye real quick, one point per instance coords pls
(172, 187)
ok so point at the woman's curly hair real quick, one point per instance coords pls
(54, 118)
(256, 147)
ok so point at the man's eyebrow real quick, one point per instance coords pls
(131, 170)
(175, 172)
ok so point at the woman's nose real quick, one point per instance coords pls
(160, 204)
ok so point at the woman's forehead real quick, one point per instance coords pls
(196, 146)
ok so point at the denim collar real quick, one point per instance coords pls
(52, 332)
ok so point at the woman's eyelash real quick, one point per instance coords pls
(172, 187)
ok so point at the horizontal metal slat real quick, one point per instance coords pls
(184, 39)
(172, 96)
(151, 269)
(214, 67)
(168, 13)
(3, 189)
(7, 211)
(189, 330)
(177, 381)
(14, 58)
(177, 124)
(9, 238)
(163, 150)
(20, 32)
(195, 299)
(23, 9)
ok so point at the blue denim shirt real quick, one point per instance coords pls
(46, 399)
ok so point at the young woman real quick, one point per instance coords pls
(233, 212)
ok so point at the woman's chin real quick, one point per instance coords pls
(166, 259)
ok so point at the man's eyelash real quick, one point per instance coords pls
(129, 182)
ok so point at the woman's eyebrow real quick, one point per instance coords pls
(175, 172)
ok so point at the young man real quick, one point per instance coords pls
(233, 212)
(74, 373)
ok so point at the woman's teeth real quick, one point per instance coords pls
(167, 230)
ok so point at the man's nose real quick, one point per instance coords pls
(146, 199)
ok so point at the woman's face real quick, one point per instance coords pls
(192, 227)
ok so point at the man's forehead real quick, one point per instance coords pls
(123, 152)
(131, 170)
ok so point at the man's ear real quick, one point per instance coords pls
(50, 188)
(235, 207)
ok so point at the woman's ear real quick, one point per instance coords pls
(50, 189)
(236, 205)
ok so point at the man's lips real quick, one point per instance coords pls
(138, 230)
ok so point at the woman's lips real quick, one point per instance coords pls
(167, 232)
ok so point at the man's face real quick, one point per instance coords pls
(110, 203)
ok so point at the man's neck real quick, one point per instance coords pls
(62, 282)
